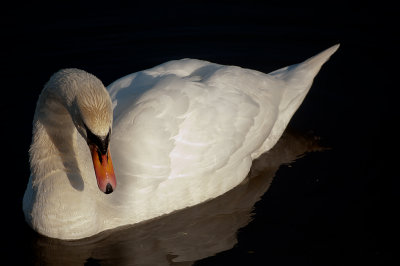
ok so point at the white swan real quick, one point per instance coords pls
(183, 132)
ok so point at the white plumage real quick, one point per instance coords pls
(183, 132)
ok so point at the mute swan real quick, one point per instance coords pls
(183, 132)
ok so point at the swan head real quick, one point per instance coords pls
(91, 112)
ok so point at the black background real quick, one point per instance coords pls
(346, 218)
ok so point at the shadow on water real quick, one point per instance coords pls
(183, 237)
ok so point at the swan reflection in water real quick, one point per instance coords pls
(184, 236)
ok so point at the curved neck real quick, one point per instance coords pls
(72, 102)
(53, 147)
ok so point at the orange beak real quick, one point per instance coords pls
(103, 169)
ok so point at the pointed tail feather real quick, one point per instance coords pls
(311, 66)
(297, 82)
(299, 78)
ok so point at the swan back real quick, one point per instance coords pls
(188, 130)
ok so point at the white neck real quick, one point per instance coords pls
(54, 140)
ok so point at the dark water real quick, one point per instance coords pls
(332, 207)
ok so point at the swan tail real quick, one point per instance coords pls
(305, 72)
(297, 80)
